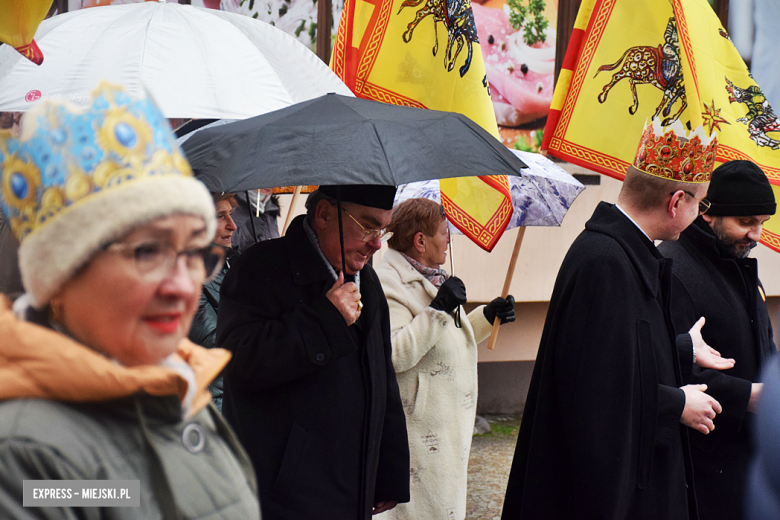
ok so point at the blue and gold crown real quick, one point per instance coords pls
(64, 155)
(75, 180)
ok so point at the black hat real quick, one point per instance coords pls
(371, 195)
(740, 189)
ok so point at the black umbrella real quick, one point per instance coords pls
(337, 139)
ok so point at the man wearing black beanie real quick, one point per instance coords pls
(714, 278)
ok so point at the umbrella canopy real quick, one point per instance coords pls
(196, 62)
(344, 140)
(541, 196)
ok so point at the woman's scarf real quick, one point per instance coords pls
(433, 275)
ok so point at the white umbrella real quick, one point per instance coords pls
(196, 62)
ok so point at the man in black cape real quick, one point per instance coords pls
(311, 389)
(714, 278)
(603, 435)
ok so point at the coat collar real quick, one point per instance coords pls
(647, 260)
(406, 271)
(305, 262)
(700, 235)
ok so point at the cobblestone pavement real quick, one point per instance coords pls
(489, 464)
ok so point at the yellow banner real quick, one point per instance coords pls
(669, 59)
(426, 54)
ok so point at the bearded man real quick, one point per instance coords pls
(311, 390)
(715, 278)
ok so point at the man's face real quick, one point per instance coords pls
(737, 235)
(356, 250)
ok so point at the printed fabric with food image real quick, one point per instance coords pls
(518, 46)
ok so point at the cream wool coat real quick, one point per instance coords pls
(436, 367)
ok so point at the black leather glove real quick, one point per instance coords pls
(501, 308)
(452, 293)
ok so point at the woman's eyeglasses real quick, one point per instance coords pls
(155, 260)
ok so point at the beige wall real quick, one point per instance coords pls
(540, 258)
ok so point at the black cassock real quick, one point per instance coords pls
(315, 403)
(600, 436)
(728, 293)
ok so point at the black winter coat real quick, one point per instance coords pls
(203, 330)
(266, 226)
(728, 293)
(319, 415)
(600, 436)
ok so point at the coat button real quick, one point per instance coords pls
(320, 357)
(194, 438)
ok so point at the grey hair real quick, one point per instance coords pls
(313, 200)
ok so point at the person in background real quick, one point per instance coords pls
(435, 358)
(97, 379)
(762, 493)
(204, 325)
(10, 277)
(263, 211)
(311, 388)
(714, 278)
(604, 431)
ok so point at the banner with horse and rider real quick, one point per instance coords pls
(632, 60)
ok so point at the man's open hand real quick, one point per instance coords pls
(706, 356)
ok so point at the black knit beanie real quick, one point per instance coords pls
(739, 189)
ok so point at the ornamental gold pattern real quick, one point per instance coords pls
(672, 153)
(66, 155)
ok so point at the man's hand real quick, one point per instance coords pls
(706, 356)
(700, 409)
(346, 298)
(381, 507)
(755, 395)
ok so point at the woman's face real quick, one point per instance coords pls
(225, 224)
(435, 253)
(135, 316)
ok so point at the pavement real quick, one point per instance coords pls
(489, 464)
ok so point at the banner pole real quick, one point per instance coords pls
(507, 282)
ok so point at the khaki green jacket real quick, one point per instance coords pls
(69, 413)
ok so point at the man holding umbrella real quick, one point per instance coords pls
(311, 390)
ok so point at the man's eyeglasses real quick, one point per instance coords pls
(704, 204)
(155, 260)
(370, 234)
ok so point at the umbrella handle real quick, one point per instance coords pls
(341, 232)
(505, 291)
(291, 210)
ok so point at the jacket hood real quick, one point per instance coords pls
(39, 363)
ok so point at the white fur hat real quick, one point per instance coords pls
(75, 180)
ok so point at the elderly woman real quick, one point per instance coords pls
(204, 326)
(97, 380)
(435, 358)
